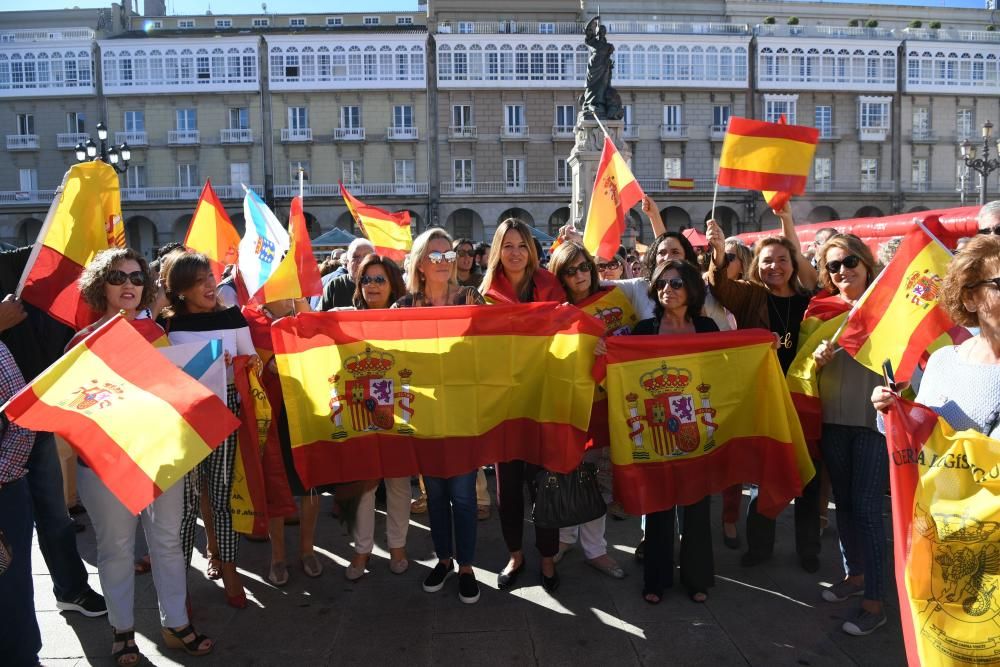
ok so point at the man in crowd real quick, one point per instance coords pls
(339, 292)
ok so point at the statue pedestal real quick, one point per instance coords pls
(585, 157)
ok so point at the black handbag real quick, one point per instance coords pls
(568, 499)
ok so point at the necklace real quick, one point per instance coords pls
(785, 339)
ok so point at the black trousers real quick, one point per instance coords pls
(760, 529)
(696, 559)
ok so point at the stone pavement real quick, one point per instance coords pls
(768, 615)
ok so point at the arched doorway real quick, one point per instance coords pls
(416, 221)
(869, 212)
(822, 214)
(140, 234)
(465, 223)
(727, 219)
(180, 227)
(518, 213)
(675, 218)
(559, 217)
(768, 220)
(346, 222)
(29, 228)
(918, 209)
(312, 225)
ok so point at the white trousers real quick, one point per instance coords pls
(397, 504)
(591, 535)
(114, 526)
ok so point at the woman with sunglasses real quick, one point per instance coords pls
(774, 295)
(195, 314)
(854, 451)
(679, 291)
(468, 274)
(118, 281)
(451, 501)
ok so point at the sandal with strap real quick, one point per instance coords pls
(214, 568)
(127, 655)
(175, 639)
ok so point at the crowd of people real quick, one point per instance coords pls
(673, 288)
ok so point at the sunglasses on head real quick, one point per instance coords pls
(465, 253)
(849, 262)
(609, 266)
(438, 257)
(675, 284)
(989, 230)
(116, 277)
(378, 280)
(989, 281)
(571, 271)
(731, 257)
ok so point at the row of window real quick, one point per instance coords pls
(696, 63)
(951, 69)
(56, 69)
(173, 67)
(829, 66)
(354, 63)
(293, 22)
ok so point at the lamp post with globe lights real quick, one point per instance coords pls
(983, 165)
(118, 157)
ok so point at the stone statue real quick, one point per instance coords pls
(600, 99)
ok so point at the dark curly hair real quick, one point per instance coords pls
(397, 288)
(95, 277)
(649, 260)
(694, 285)
(181, 272)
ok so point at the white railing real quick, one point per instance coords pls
(631, 131)
(717, 132)
(562, 132)
(657, 27)
(357, 189)
(661, 185)
(22, 142)
(401, 133)
(71, 139)
(829, 133)
(673, 131)
(236, 135)
(185, 193)
(511, 27)
(349, 134)
(922, 134)
(26, 196)
(948, 35)
(873, 133)
(514, 131)
(66, 34)
(503, 187)
(462, 132)
(296, 134)
(132, 138)
(183, 137)
(823, 31)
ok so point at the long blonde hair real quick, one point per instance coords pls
(493, 263)
(418, 252)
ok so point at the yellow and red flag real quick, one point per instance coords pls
(212, 232)
(682, 427)
(136, 419)
(899, 317)
(248, 496)
(945, 519)
(680, 183)
(757, 155)
(616, 190)
(388, 232)
(297, 275)
(81, 222)
(777, 200)
(437, 391)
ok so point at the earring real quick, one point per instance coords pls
(181, 297)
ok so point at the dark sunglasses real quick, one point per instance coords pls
(116, 277)
(571, 271)
(989, 281)
(675, 284)
(378, 280)
(465, 253)
(609, 266)
(731, 257)
(989, 230)
(850, 262)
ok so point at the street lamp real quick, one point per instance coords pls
(118, 157)
(984, 166)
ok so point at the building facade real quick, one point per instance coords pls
(465, 117)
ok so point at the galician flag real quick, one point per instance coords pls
(263, 245)
(616, 190)
(136, 419)
(212, 232)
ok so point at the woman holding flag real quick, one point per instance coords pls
(118, 281)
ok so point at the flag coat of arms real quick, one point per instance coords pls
(757, 155)
(437, 391)
(137, 420)
(616, 190)
(682, 427)
(263, 245)
(212, 232)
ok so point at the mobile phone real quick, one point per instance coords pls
(888, 376)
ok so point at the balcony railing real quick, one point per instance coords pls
(717, 132)
(511, 27)
(631, 131)
(401, 133)
(26, 196)
(828, 133)
(294, 134)
(22, 142)
(873, 133)
(233, 135)
(665, 27)
(348, 134)
(357, 189)
(462, 132)
(562, 132)
(183, 137)
(492, 188)
(948, 35)
(673, 132)
(71, 139)
(825, 31)
(514, 131)
(133, 139)
(65, 34)
(229, 192)
(922, 135)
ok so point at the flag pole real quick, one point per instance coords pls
(715, 195)
(301, 187)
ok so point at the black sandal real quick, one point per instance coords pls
(125, 651)
(175, 639)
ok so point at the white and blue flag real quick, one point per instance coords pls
(263, 244)
(205, 362)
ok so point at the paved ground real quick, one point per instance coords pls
(768, 615)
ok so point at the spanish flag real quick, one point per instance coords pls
(767, 156)
(388, 232)
(212, 233)
(945, 519)
(900, 316)
(680, 183)
(682, 427)
(437, 391)
(615, 191)
(80, 223)
(777, 200)
(137, 420)
(297, 275)
(248, 497)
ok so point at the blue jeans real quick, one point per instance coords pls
(453, 499)
(56, 536)
(20, 639)
(859, 467)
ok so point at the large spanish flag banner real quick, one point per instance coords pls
(136, 419)
(212, 232)
(388, 232)
(437, 391)
(757, 155)
(899, 317)
(616, 190)
(84, 219)
(684, 425)
(297, 275)
(823, 319)
(946, 537)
